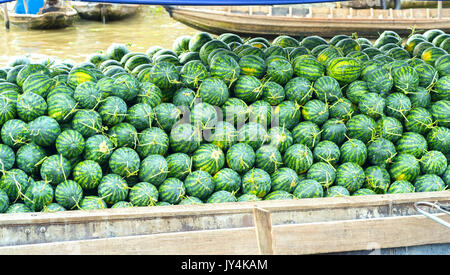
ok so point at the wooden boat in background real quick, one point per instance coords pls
(103, 11)
(272, 21)
(49, 20)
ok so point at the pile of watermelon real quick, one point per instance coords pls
(227, 119)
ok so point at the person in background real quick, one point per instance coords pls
(28, 6)
(50, 5)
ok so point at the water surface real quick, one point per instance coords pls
(84, 38)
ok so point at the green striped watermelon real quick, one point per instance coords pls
(199, 184)
(68, 194)
(350, 175)
(113, 188)
(143, 194)
(404, 167)
(38, 194)
(308, 189)
(152, 140)
(87, 174)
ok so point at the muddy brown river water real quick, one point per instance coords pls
(84, 38)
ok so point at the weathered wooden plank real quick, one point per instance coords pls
(354, 235)
(263, 226)
(314, 238)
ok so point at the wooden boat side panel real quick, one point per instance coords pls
(311, 238)
(50, 20)
(33, 228)
(92, 11)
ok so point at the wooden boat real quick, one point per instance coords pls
(384, 224)
(299, 21)
(104, 11)
(49, 20)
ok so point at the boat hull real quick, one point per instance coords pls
(49, 20)
(112, 12)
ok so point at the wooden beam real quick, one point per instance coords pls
(263, 226)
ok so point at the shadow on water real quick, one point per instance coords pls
(87, 37)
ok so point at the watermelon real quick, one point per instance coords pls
(248, 197)
(122, 204)
(298, 89)
(268, 158)
(124, 162)
(419, 120)
(193, 73)
(322, 172)
(342, 109)
(143, 194)
(29, 107)
(327, 55)
(379, 81)
(116, 51)
(113, 110)
(363, 192)
(240, 157)
(284, 179)
(184, 138)
(344, 69)
(438, 138)
(372, 105)
(153, 169)
(55, 169)
(38, 194)
(209, 158)
(248, 88)
(213, 91)
(235, 111)
(260, 112)
(280, 138)
(404, 167)
(40, 84)
(256, 181)
(30, 69)
(184, 97)
(79, 75)
(44, 130)
(420, 98)
(308, 189)
(308, 67)
(123, 135)
(152, 140)
(440, 110)
(327, 151)
(87, 174)
(412, 143)
(171, 190)
(433, 162)
(18, 208)
(334, 130)
(353, 150)
(14, 183)
(312, 41)
(178, 165)
(224, 135)
(356, 90)
(98, 148)
(429, 183)
(285, 41)
(53, 207)
(225, 68)
(298, 157)
(227, 179)
(279, 195)
(204, 116)
(190, 200)
(68, 194)
(327, 89)
(361, 127)
(350, 175)
(221, 197)
(400, 186)
(279, 71)
(87, 123)
(61, 107)
(113, 188)
(92, 203)
(70, 144)
(307, 133)
(139, 115)
(381, 151)
(252, 65)
(29, 158)
(167, 115)
(427, 75)
(7, 157)
(199, 184)
(377, 179)
(406, 79)
(253, 134)
(441, 89)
